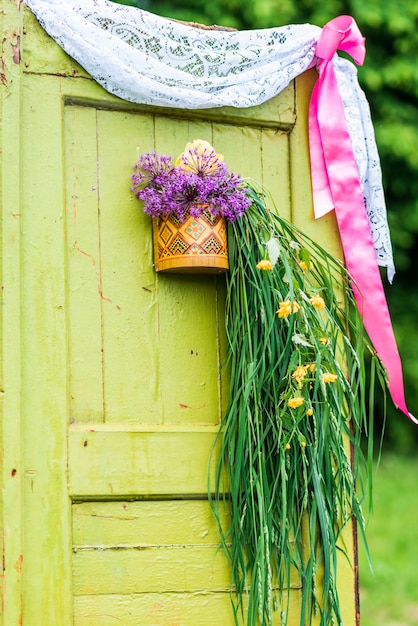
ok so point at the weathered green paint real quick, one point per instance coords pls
(11, 458)
(111, 389)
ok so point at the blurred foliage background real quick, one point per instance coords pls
(390, 80)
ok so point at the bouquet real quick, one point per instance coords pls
(198, 180)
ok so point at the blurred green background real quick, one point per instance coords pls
(389, 597)
(390, 80)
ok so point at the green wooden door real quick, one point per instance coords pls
(112, 378)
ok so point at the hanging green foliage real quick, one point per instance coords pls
(291, 471)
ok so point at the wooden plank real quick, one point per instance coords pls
(11, 456)
(172, 135)
(150, 570)
(169, 609)
(84, 286)
(188, 340)
(45, 409)
(170, 569)
(241, 149)
(41, 54)
(111, 461)
(262, 156)
(129, 303)
(276, 170)
(128, 554)
(278, 113)
(144, 523)
(224, 367)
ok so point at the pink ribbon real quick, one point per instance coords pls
(336, 185)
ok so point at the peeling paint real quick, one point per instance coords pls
(101, 294)
(87, 254)
(196, 408)
(19, 562)
(16, 50)
(3, 76)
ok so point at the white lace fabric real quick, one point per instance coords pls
(148, 59)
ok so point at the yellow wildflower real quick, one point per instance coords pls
(309, 412)
(327, 377)
(288, 446)
(287, 307)
(303, 444)
(318, 302)
(293, 403)
(300, 373)
(324, 341)
(265, 265)
(304, 266)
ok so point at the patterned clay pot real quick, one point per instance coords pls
(196, 246)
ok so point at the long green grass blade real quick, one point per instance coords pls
(303, 375)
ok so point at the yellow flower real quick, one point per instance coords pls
(324, 341)
(300, 373)
(265, 265)
(318, 302)
(293, 403)
(288, 446)
(303, 444)
(199, 157)
(327, 377)
(309, 412)
(304, 267)
(286, 308)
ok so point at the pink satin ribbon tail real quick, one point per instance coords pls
(336, 184)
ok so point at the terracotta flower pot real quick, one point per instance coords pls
(196, 246)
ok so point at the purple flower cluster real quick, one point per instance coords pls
(165, 188)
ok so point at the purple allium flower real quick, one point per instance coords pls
(150, 169)
(199, 159)
(200, 180)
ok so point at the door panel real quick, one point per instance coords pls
(147, 387)
(144, 348)
(175, 574)
(139, 461)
